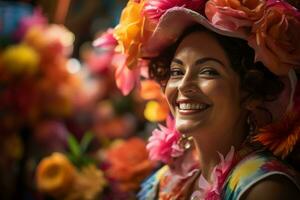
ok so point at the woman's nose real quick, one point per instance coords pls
(188, 85)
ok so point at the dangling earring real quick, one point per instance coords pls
(252, 124)
(185, 142)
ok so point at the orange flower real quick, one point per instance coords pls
(129, 163)
(157, 109)
(281, 137)
(275, 38)
(234, 14)
(132, 31)
(55, 175)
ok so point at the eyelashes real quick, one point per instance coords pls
(177, 72)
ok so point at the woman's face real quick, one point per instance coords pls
(203, 91)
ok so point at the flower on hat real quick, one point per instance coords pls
(234, 15)
(106, 40)
(275, 38)
(156, 8)
(132, 30)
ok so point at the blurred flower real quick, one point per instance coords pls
(275, 38)
(234, 15)
(20, 60)
(106, 40)
(51, 135)
(88, 185)
(157, 109)
(36, 19)
(55, 175)
(154, 9)
(129, 163)
(50, 41)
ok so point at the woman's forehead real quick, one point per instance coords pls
(200, 44)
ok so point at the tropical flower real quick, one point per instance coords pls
(132, 31)
(154, 9)
(129, 163)
(212, 191)
(234, 15)
(161, 142)
(106, 40)
(282, 136)
(126, 78)
(275, 38)
(55, 175)
(21, 59)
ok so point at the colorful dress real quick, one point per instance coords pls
(164, 185)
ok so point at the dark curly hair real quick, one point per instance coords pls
(256, 79)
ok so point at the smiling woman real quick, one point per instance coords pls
(228, 72)
(213, 87)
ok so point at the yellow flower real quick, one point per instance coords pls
(89, 184)
(156, 111)
(55, 175)
(132, 31)
(20, 60)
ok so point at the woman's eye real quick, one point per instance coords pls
(209, 72)
(176, 72)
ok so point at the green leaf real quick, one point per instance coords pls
(74, 146)
(85, 142)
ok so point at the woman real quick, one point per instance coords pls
(227, 69)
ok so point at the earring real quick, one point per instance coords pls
(252, 124)
(185, 142)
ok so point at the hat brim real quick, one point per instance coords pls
(172, 24)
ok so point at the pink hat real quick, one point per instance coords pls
(171, 25)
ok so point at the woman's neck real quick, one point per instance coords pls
(209, 146)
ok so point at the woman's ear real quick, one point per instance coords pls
(252, 104)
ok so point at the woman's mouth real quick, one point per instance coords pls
(187, 108)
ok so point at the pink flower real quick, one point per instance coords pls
(154, 9)
(126, 78)
(106, 40)
(234, 15)
(161, 142)
(36, 19)
(212, 191)
(275, 38)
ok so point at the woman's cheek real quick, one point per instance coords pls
(171, 94)
(213, 88)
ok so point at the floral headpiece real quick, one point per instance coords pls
(146, 27)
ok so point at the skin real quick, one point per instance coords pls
(201, 73)
(204, 76)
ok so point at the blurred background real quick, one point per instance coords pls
(66, 131)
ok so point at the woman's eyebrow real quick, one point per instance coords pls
(206, 59)
(177, 61)
(199, 61)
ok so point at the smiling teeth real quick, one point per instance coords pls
(192, 106)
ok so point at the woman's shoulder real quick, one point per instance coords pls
(255, 171)
(149, 187)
